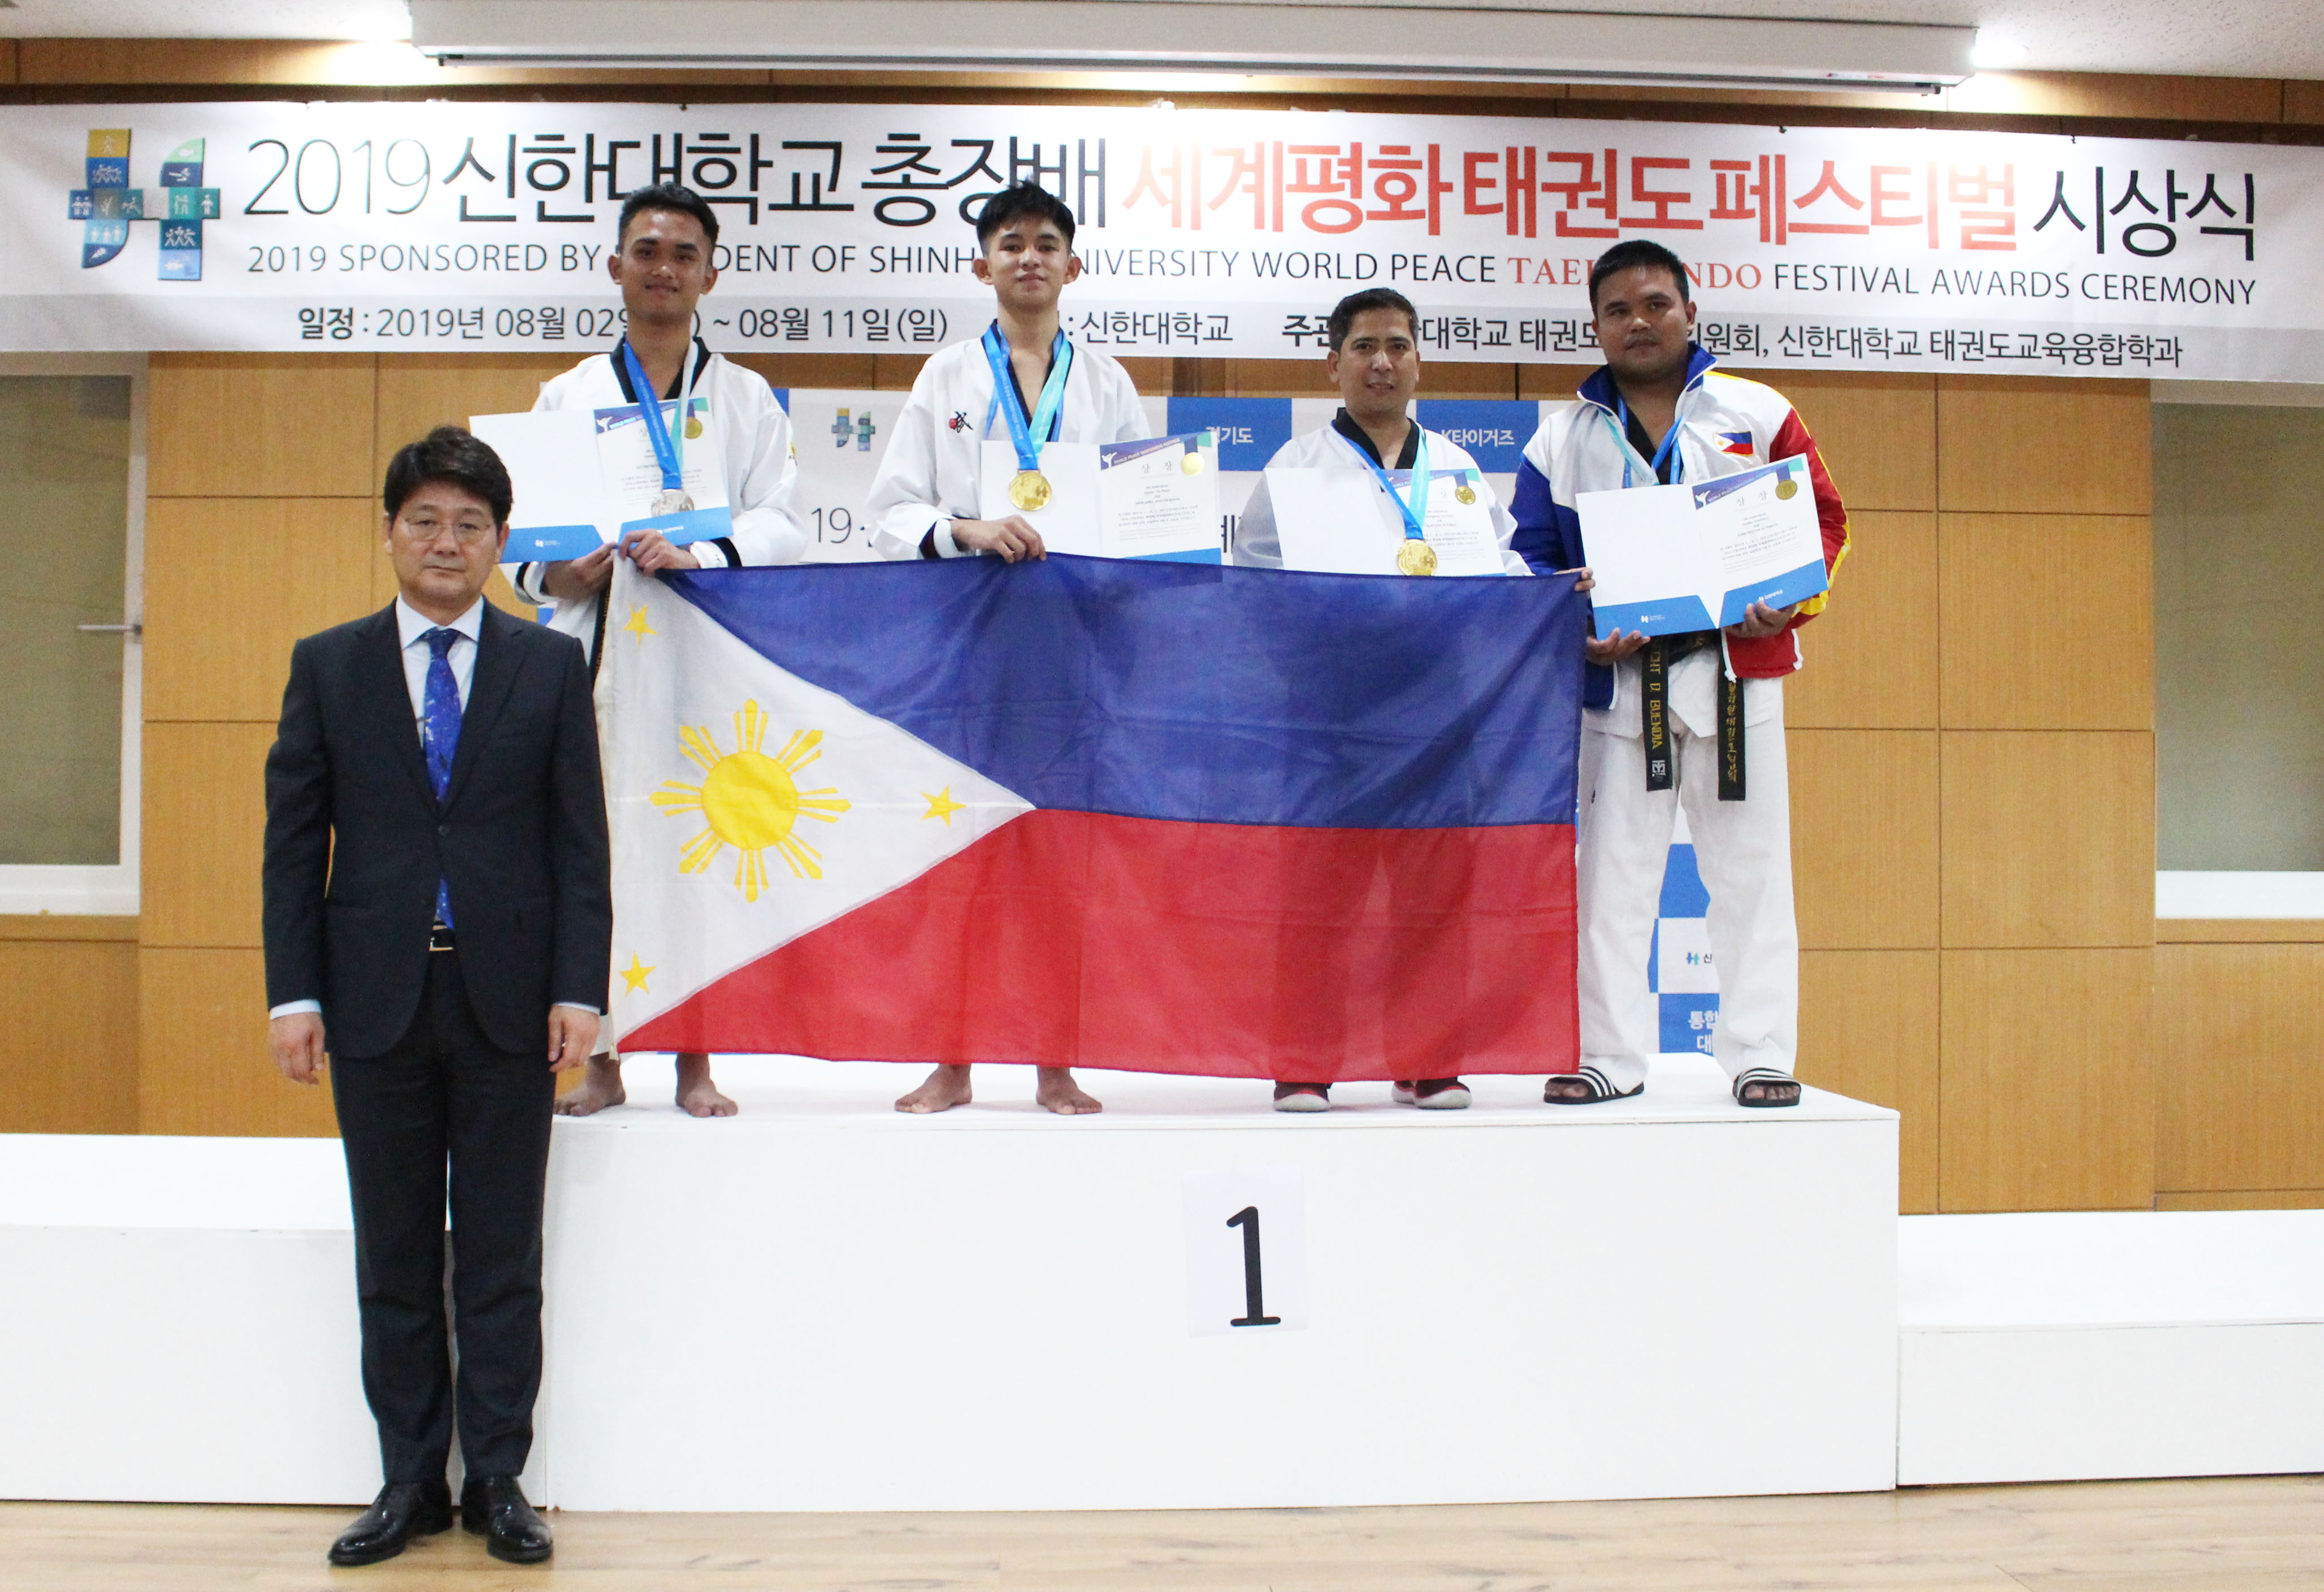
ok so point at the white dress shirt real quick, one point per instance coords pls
(412, 627)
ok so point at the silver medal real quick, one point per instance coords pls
(671, 501)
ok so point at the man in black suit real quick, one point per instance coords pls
(438, 901)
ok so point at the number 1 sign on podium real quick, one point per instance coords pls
(1246, 1251)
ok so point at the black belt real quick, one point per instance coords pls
(1653, 714)
(439, 939)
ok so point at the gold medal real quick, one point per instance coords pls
(1464, 495)
(1030, 490)
(1787, 488)
(1192, 464)
(693, 427)
(1415, 557)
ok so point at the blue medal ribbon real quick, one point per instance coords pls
(1043, 422)
(1670, 441)
(669, 451)
(1415, 512)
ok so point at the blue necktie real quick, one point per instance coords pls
(440, 736)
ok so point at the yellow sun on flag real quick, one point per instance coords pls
(752, 801)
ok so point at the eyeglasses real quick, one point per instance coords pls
(426, 528)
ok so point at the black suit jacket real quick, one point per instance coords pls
(355, 838)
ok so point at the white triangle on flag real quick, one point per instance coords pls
(747, 805)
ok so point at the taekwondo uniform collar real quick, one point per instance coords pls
(1345, 424)
(629, 388)
(1599, 388)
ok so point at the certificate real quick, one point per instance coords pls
(583, 477)
(1669, 559)
(1116, 500)
(1339, 522)
(1160, 498)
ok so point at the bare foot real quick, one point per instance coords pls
(945, 1089)
(1059, 1092)
(696, 1095)
(601, 1085)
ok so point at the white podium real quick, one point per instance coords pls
(824, 1305)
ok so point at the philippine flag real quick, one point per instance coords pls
(1139, 815)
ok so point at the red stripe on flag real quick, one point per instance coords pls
(1081, 939)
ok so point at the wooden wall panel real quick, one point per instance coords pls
(2241, 1106)
(260, 425)
(1877, 431)
(2048, 838)
(1868, 1029)
(2048, 1085)
(2043, 445)
(420, 392)
(205, 832)
(2048, 621)
(2303, 102)
(1869, 660)
(231, 583)
(2240, 1199)
(1864, 838)
(203, 1065)
(72, 1019)
(1560, 382)
(845, 372)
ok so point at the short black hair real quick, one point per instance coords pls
(1023, 199)
(1344, 313)
(667, 196)
(456, 457)
(1632, 253)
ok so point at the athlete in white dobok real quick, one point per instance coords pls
(1023, 380)
(1373, 358)
(662, 265)
(1694, 721)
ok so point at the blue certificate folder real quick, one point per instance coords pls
(1669, 559)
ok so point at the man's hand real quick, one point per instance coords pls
(297, 1038)
(1583, 580)
(572, 1035)
(570, 579)
(1618, 646)
(650, 550)
(1760, 620)
(1013, 537)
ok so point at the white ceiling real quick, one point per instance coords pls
(2224, 38)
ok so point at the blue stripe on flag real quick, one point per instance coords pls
(1159, 690)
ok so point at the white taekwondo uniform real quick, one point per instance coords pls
(928, 477)
(1335, 448)
(1743, 848)
(754, 439)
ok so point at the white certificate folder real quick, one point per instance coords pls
(584, 476)
(1669, 559)
(1156, 497)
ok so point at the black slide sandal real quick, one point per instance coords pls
(1774, 1088)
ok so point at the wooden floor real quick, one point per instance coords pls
(2236, 1535)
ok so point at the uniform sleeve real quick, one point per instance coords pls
(1791, 441)
(767, 527)
(1505, 528)
(1545, 535)
(1255, 544)
(903, 506)
(1128, 422)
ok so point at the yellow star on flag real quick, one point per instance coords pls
(638, 627)
(942, 806)
(634, 974)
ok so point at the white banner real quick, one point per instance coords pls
(434, 226)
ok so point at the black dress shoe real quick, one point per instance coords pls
(494, 1506)
(403, 1510)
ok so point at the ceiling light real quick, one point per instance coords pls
(1419, 41)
